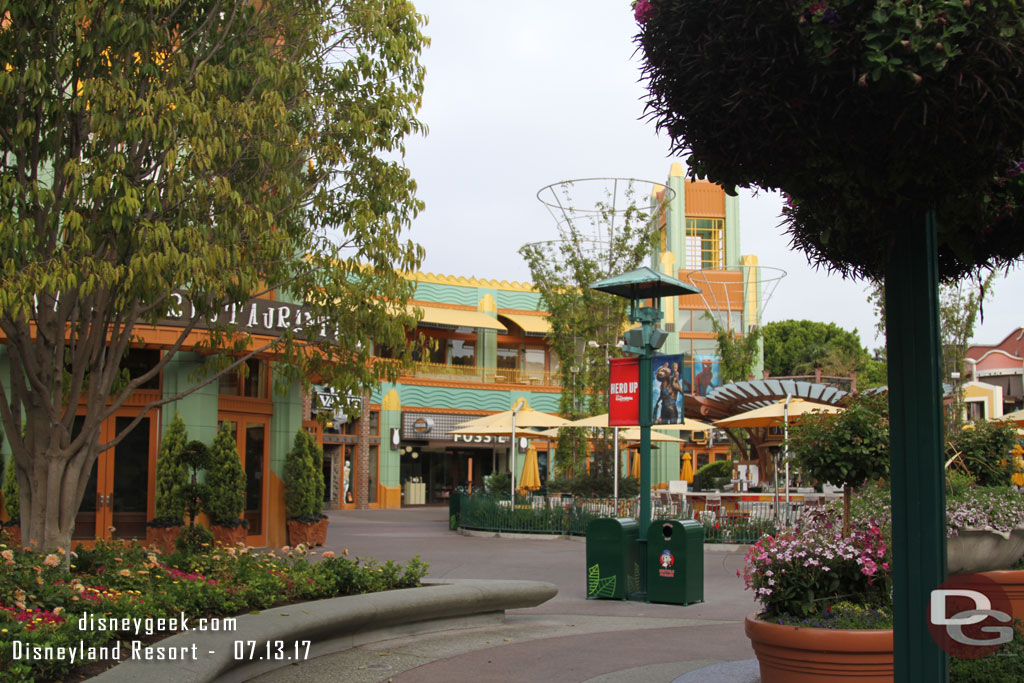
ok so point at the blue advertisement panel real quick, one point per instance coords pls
(670, 382)
(705, 369)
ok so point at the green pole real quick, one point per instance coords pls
(916, 445)
(645, 441)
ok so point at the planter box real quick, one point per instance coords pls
(1011, 581)
(229, 535)
(983, 550)
(163, 538)
(308, 534)
(15, 533)
(789, 654)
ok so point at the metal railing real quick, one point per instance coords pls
(483, 375)
(570, 516)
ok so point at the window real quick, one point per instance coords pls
(139, 361)
(533, 362)
(250, 380)
(508, 357)
(463, 352)
(705, 242)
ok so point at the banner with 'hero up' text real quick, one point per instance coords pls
(624, 392)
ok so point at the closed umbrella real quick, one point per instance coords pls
(530, 479)
(634, 470)
(687, 472)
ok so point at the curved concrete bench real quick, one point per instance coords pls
(332, 625)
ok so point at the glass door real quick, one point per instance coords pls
(118, 496)
(251, 438)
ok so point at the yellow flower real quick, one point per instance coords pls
(52, 560)
(126, 572)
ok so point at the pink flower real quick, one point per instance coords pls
(52, 560)
(642, 11)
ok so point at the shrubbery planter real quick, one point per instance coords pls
(790, 654)
(163, 538)
(983, 550)
(229, 535)
(309, 534)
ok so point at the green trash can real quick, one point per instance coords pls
(613, 561)
(675, 561)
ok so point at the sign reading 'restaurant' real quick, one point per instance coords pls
(256, 316)
(624, 392)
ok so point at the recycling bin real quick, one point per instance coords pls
(613, 561)
(675, 561)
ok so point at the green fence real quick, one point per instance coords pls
(567, 516)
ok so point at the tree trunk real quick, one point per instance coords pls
(54, 478)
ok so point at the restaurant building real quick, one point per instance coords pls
(489, 349)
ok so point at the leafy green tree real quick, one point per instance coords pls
(207, 150)
(562, 271)
(304, 478)
(171, 474)
(844, 449)
(797, 347)
(960, 306)
(736, 353)
(225, 480)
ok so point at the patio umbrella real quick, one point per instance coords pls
(633, 434)
(775, 414)
(530, 478)
(525, 417)
(1016, 416)
(506, 423)
(687, 472)
(687, 425)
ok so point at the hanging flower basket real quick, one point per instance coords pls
(862, 112)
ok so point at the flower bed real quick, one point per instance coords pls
(46, 598)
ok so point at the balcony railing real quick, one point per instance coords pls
(483, 375)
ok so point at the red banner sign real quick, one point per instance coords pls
(624, 392)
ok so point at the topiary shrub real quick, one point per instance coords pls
(715, 470)
(194, 457)
(171, 477)
(225, 481)
(304, 479)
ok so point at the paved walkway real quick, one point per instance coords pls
(568, 639)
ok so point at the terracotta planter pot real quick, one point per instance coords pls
(789, 654)
(15, 534)
(1011, 581)
(308, 534)
(982, 550)
(229, 535)
(163, 538)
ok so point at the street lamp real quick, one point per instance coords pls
(638, 286)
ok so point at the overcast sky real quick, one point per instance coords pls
(522, 95)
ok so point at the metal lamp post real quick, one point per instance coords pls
(638, 286)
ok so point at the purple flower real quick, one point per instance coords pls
(642, 11)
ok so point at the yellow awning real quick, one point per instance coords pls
(457, 317)
(536, 324)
